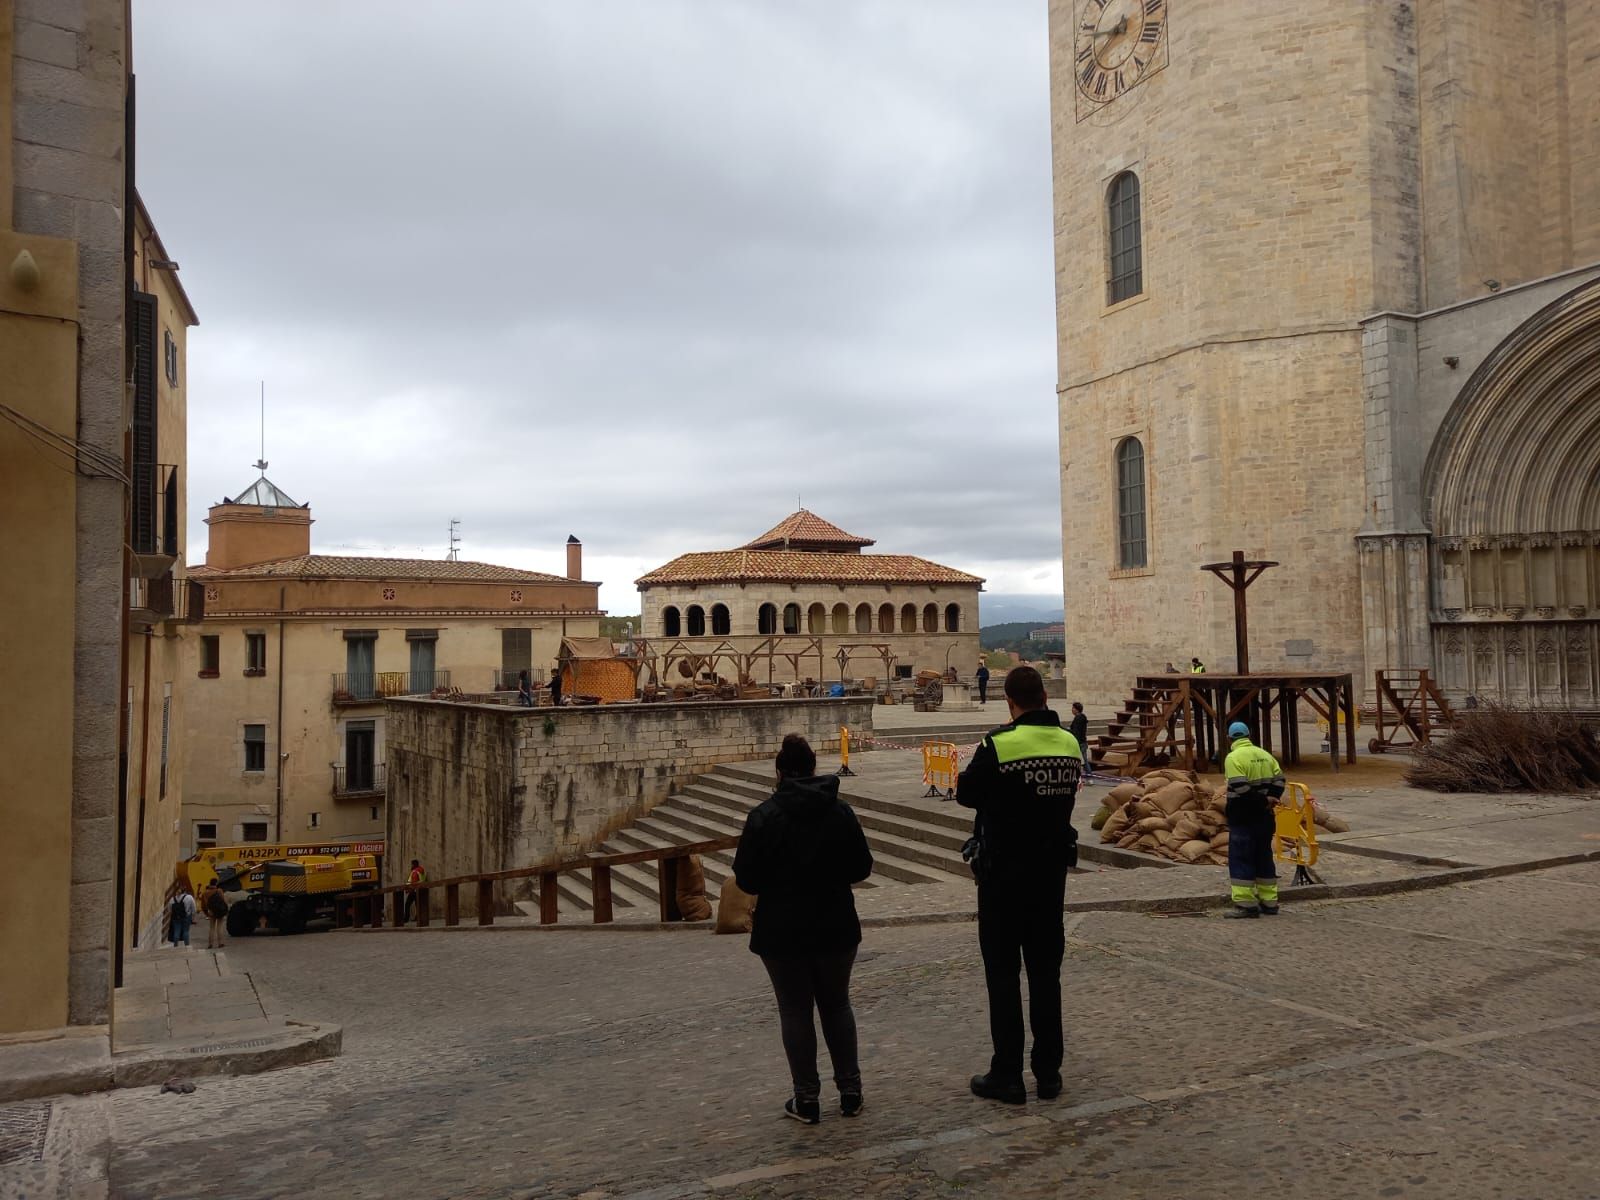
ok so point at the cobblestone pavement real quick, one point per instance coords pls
(1439, 1044)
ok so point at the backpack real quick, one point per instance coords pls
(179, 912)
(217, 906)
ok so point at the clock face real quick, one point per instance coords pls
(1117, 44)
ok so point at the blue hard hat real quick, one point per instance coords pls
(1238, 729)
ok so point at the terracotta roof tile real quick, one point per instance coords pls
(799, 566)
(337, 566)
(807, 528)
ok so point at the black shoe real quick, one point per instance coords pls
(807, 1111)
(1007, 1091)
(850, 1104)
(1048, 1088)
(1269, 910)
(1239, 913)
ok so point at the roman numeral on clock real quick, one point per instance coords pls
(1153, 7)
(1151, 34)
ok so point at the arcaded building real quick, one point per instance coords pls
(1328, 292)
(806, 578)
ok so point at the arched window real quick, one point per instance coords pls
(767, 618)
(841, 618)
(791, 618)
(697, 621)
(1131, 550)
(908, 619)
(952, 618)
(930, 618)
(1127, 246)
(863, 618)
(670, 626)
(886, 619)
(816, 619)
(721, 625)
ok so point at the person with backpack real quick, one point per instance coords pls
(215, 905)
(182, 917)
(800, 851)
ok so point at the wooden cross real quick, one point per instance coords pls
(1239, 574)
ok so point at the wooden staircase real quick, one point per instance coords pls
(1148, 731)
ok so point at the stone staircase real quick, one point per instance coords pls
(910, 845)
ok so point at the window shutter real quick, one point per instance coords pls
(142, 320)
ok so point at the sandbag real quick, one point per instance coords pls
(1101, 815)
(1140, 809)
(1165, 836)
(735, 908)
(691, 893)
(1332, 823)
(1217, 860)
(1154, 780)
(1122, 793)
(1151, 824)
(1188, 826)
(1172, 797)
(1146, 841)
(1194, 851)
(1127, 840)
(1116, 825)
(1220, 841)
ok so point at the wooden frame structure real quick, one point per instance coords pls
(705, 654)
(1409, 702)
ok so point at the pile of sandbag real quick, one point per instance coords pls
(1168, 812)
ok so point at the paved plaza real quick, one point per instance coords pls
(1444, 1043)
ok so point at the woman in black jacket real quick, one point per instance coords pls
(801, 850)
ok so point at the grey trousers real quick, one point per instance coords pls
(821, 982)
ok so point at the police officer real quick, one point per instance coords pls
(1022, 781)
(1255, 781)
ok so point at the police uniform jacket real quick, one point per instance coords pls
(1022, 781)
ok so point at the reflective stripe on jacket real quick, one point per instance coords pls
(1023, 779)
(1255, 780)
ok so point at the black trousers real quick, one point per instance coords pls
(1020, 917)
(821, 982)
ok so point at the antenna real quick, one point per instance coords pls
(261, 463)
(455, 540)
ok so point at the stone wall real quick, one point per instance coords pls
(477, 788)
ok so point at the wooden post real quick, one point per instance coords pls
(549, 898)
(452, 904)
(1350, 712)
(600, 884)
(375, 910)
(667, 886)
(399, 908)
(422, 908)
(485, 902)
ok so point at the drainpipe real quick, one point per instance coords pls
(277, 820)
(123, 716)
(144, 769)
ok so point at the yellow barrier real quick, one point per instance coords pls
(941, 762)
(1295, 836)
(844, 750)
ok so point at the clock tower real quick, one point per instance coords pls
(1286, 235)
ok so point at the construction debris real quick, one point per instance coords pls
(1496, 749)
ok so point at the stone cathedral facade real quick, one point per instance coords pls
(1328, 292)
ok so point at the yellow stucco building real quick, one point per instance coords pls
(297, 653)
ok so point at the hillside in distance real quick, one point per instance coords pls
(1000, 608)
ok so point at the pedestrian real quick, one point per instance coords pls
(1022, 781)
(414, 880)
(182, 916)
(1196, 667)
(983, 682)
(524, 690)
(1171, 670)
(1255, 782)
(215, 906)
(555, 686)
(800, 851)
(1079, 728)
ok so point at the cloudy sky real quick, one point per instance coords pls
(640, 270)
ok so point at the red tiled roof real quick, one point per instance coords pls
(800, 566)
(806, 528)
(337, 566)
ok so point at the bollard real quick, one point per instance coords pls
(844, 751)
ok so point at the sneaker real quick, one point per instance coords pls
(807, 1111)
(850, 1104)
(1239, 913)
(1048, 1088)
(1269, 910)
(1007, 1091)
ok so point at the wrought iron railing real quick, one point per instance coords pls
(364, 687)
(506, 679)
(360, 779)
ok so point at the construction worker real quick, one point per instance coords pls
(1255, 782)
(1022, 781)
(414, 880)
(1196, 667)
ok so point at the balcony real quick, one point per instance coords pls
(361, 781)
(164, 598)
(374, 687)
(153, 518)
(506, 678)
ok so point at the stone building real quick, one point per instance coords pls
(808, 578)
(1328, 292)
(298, 653)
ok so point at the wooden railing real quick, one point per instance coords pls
(366, 908)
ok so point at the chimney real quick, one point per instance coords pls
(574, 557)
